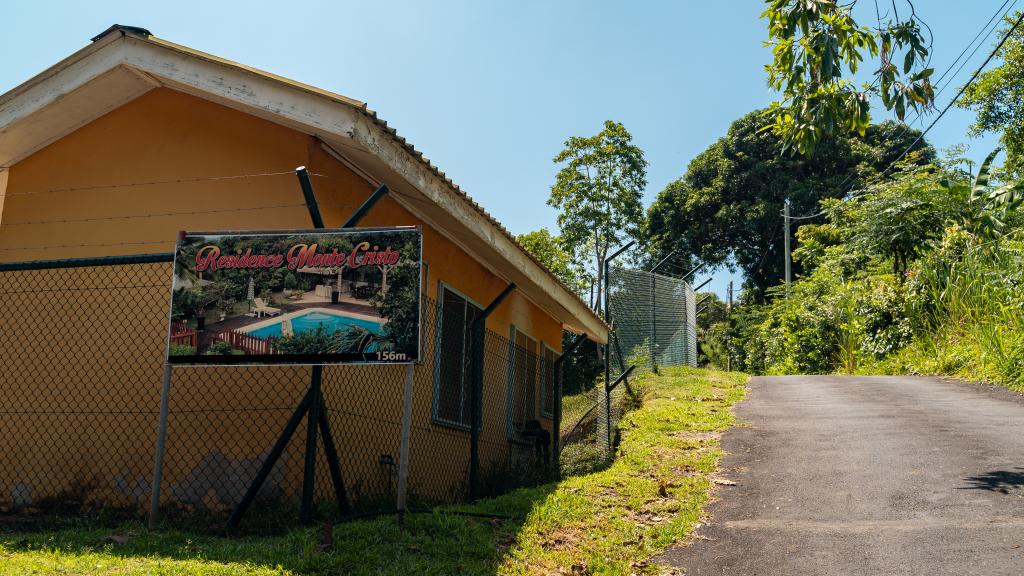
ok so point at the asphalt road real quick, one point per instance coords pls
(867, 475)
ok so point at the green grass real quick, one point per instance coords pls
(608, 522)
(975, 329)
(988, 352)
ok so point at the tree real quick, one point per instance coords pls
(598, 191)
(817, 47)
(897, 219)
(727, 207)
(997, 98)
(988, 204)
(550, 250)
(714, 312)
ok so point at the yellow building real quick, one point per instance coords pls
(114, 150)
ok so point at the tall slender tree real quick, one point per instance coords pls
(598, 192)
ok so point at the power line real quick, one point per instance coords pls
(963, 89)
(99, 245)
(151, 215)
(905, 126)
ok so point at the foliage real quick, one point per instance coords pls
(582, 367)
(997, 97)
(968, 311)
(186, 304)
(897, 219)
(604, 520)
(640, 355)
(598, 191)
(181, 350)
(714, 310)
(551, 251)
(713, 345)
(400, 305)
(219, 348)
(920, 272)
(816, 45)
(988, 205)
(353, 339)
(712, 326)
(727, 208)
(217, 296)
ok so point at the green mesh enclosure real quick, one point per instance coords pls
(654, 320)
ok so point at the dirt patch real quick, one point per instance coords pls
(686, 435)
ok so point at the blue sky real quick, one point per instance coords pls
(489, 91)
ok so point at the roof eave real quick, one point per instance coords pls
(247, 88)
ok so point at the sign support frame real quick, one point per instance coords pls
(312, 406)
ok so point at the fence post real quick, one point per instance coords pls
(608, 418)
(476, 382)
(403, 449)
(556, 417)
(478, 330)
(652, 348)
(312, 422)
(607, 350)
(161, 439)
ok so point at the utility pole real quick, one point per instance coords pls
(728, 337)
(786, 218)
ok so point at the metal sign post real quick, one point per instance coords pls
(403, 450)
(313, 405)
(161, 439)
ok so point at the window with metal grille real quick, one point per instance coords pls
(452, 374)
(523, 381)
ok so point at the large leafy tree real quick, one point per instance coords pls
(727, 207)
(598, 191)
(550, 250)
(997, 97)
(818, 48)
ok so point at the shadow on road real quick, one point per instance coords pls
(997, 481)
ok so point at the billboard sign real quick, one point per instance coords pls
(297, 297)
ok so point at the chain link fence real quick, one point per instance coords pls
(82, 347)
(654, 319)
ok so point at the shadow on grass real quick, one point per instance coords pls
(438, 542)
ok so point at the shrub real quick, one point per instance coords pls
(181, 350)
(219, 348)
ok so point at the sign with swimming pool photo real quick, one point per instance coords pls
(297, 297)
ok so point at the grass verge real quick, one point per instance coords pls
(606, 522)
(988, 353)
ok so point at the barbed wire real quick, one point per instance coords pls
(95, 187)
(152, 215)
(97, 245)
